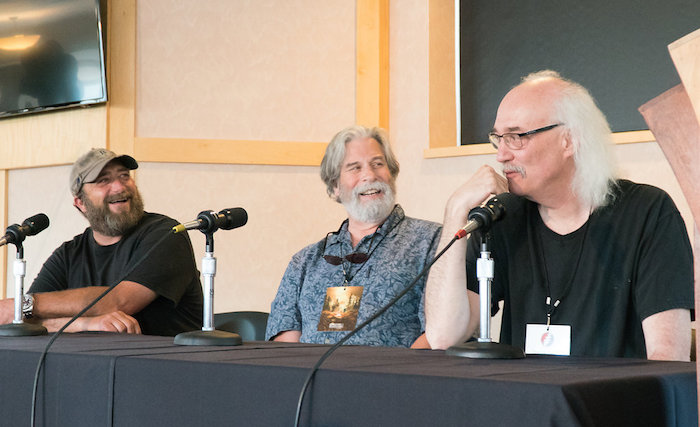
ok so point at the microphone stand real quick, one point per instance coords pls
(18, 327)
(208, 335)
(484, 347)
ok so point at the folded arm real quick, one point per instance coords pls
(128, 297)
(452, 312)
(112, 313)
(116, 321)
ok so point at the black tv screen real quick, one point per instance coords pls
(51, 55)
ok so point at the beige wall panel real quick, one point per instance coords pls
(51, 138)
(245, 70)
(287, 209)
(41, 190)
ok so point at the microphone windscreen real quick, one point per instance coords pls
(509, 201)
(235, 217)
(493, 210)
(36, 224)
(506, 197)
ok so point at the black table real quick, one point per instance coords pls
(94, 379)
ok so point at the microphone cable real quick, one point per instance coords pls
(74, 318)
(350, 334)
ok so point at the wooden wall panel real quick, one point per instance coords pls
(674, 118)
(121, 66)
(372, 97)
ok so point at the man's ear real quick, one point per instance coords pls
(568, 144)
(336, 193)
(78, 203)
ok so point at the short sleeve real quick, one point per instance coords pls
(284, 311)
(168, 270)
(53, 274)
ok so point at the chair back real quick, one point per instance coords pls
(250, 325)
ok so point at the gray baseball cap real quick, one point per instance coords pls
(90, 164)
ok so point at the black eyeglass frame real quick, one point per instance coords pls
(495, 139)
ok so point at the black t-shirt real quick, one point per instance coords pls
(169, 270)
(636, 260)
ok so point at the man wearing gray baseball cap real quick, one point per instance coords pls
(159, 291)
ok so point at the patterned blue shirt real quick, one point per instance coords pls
(400, 249)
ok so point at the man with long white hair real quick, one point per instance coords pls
(333, 285)
(585, 264)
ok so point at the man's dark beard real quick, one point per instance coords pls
(112, 224)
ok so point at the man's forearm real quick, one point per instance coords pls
(68, 303)
(447, 311)
(128, 297)
(116, 321)
(54, 324)
(668, 334)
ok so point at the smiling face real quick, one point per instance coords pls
(544, 166)
(365, 187)
(112, 203)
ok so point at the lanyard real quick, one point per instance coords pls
(551, 307)
(347, 277)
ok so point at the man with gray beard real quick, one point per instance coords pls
(159, 293)
(333, 285)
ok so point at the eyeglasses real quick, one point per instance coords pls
(514, 140)
(354, 258)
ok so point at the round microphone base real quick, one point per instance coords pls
(485, 350)
(21, 330)
(208, 338)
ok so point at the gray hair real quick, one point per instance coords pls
(594, 178)
(335, 153)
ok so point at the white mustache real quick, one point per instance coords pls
(377, 185)
(511, 168)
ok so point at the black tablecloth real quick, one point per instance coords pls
(94, 379)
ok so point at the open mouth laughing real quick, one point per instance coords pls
(371, 192)
(118, 200)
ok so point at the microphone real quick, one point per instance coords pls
(481, 217)
(31, 226)
(210, 221)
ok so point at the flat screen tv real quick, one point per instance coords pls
(51, 55)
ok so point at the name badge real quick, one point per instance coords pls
(340, 308)
(554, 340)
